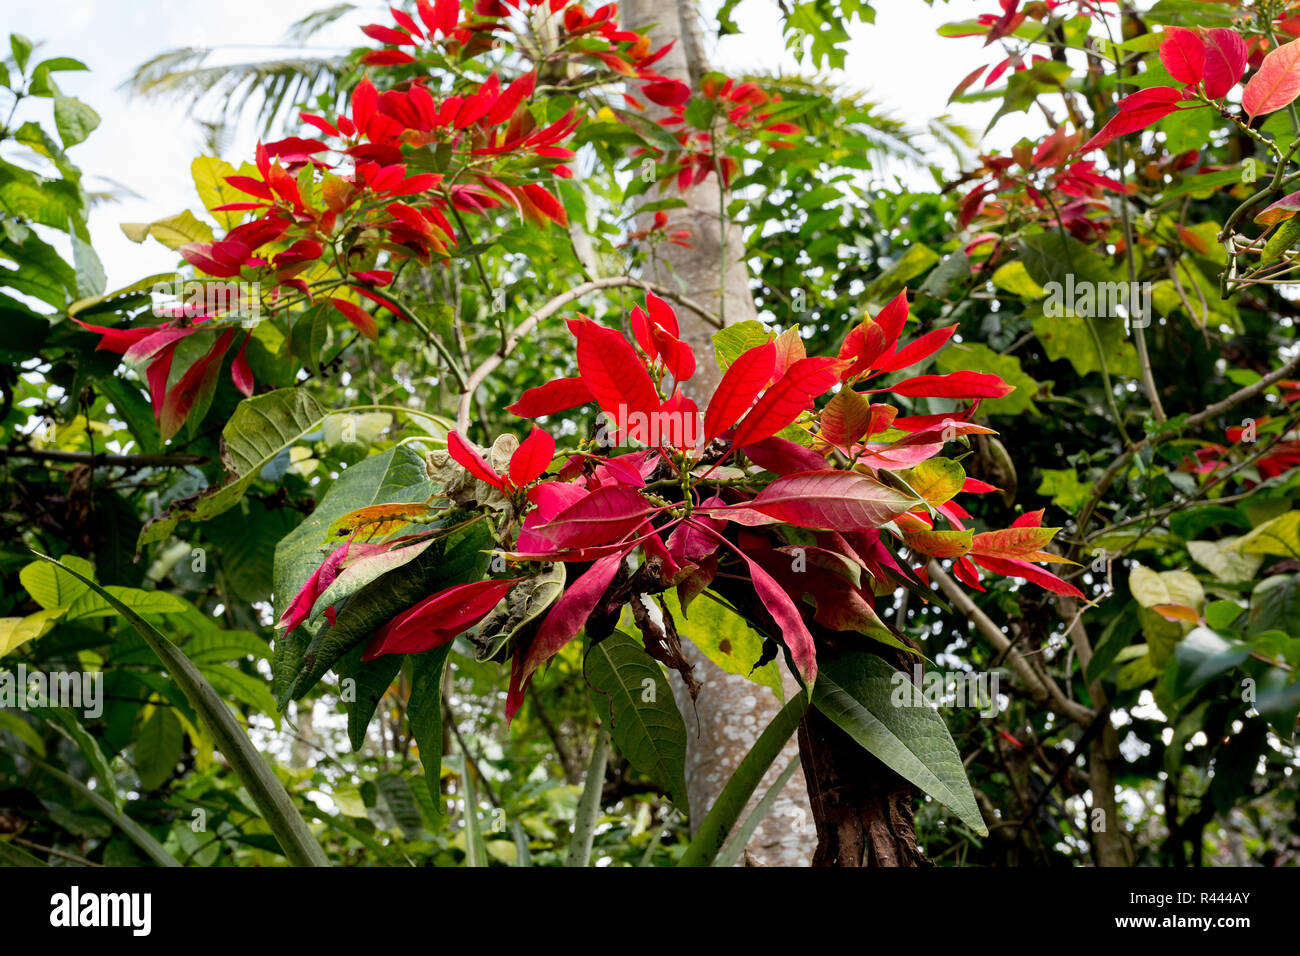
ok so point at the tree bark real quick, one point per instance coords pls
(730, 711)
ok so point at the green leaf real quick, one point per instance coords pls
(51, 586)
(885, 712)
(158, 748)
(258, 430)
(735, 848)
(23, 731)
(729, 343)
(370, 681)
(1202, 656)
(210, 174)
(629, 686)
(243, 756)
(89, 604)
(1063, 487)
(22, 48)
(424, 713)
(136, 833)
(73, 119)
(1275, 605)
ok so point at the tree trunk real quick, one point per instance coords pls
(731, 711)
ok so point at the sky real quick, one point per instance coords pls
(143, 148)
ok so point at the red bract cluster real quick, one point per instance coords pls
(1047, 183)
(173, 395)
(741, 112)
(719, 490)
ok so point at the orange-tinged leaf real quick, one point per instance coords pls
(939, 544)
(1177, 612)
(377, 520)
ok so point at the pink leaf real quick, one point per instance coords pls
(1276, 84)
(604, 517)
(570, 613)
(1225, 61)
(1183, 54)
(837, 500)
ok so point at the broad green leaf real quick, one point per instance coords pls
(158, 748)
(17, 631)
(1279, 536)
(731, 342)
(258, 430)
(1222, 560)
(73, 119)
(1275, 605)
(362, 685)
(173, 231)
(1064, 488)
(886, 713)
(629, 686)
(50, 586)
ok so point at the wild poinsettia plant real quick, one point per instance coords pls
(416, 172)
(818, 510)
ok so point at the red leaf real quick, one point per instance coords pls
(1225, 61)
(893, 317)
(359, 317)
(569, 614)
(962, 384)
(1023, 569)
(862, 346)
(836, 500)
(1136, 111)
(438, 618)
(240, 373)
(794, 633)
(388, 35)
(916, 350)
(1276, 84)
(614, 374)
(464, 454)
(532, 457)
(557, 396)
(746, 377)
(198, 379)
(1018, 541)
(604, 517)
(667, 92)
(783, 457)
(785, 401)
(544, 204)
(1183, 54)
